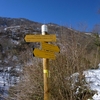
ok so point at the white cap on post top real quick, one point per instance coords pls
(44, 29)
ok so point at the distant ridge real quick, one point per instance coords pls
(6, 21)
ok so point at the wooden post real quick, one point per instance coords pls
(45, 70)
(46, 78)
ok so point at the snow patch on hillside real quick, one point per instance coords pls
(93, 78)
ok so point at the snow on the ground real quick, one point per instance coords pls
(93, 78)
(15, 42)
(6, 81)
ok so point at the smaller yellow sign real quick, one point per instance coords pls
(43, 54)
(40, 38)
(50, 47)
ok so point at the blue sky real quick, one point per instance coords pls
(73, 13)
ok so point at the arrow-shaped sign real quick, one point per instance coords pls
(40, 38)
(43, 54)
(50, 47)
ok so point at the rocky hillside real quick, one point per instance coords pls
(13, 31)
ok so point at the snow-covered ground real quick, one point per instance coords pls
(6, 80)
(93, 78)
(4, 86)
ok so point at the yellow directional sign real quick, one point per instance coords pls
(50, 47)
(40, 38)
(43, 54)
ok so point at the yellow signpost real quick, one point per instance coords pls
(50, 47)
(47, 52)
(40, 38)
(43, 54)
